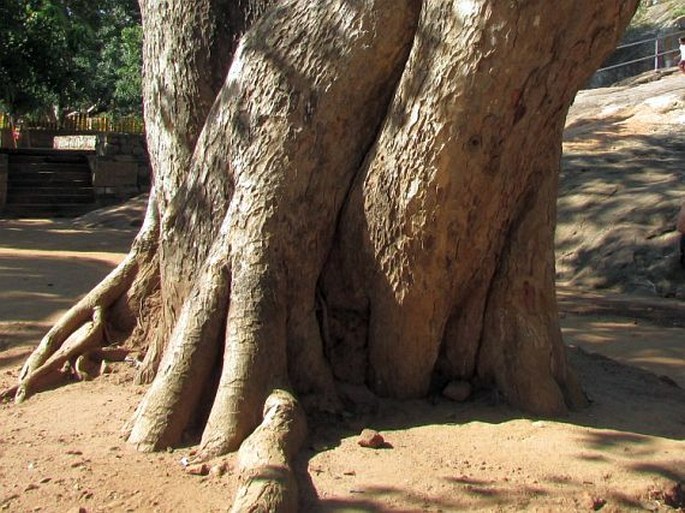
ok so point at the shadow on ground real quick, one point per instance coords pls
(631, 412)
(61, 235)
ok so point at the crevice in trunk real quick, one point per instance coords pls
(171, 401)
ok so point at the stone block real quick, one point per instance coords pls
(112, 173)
(74, 142)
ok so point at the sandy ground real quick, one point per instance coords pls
(61, 450)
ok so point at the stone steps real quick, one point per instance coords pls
(48, 183)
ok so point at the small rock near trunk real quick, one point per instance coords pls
(201, 469)
(371, 439)
(457, 391)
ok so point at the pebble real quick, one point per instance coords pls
(219, 469)
(598, 503)
(457, 390)
(201, 469)
(371, 439)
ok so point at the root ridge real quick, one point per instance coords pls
(267, 481)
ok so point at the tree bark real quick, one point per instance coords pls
(265, 459)
(454, 209)
(290, 150)
(345, 192)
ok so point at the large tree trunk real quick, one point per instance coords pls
(345, 192)
(454, 210)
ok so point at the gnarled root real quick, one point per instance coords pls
(265, 457)
(83, 328)
(170, 402)
(86, 338)
(101, 297)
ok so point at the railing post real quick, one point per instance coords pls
(656, 54)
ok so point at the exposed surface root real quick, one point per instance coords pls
(265, 457)
(111, 354)
(80, 330)
(102, 296)
(86, 338)
(83, 328)
(8, 393)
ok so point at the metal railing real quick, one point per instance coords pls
(657, 56)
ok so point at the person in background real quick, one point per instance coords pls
(681, 64)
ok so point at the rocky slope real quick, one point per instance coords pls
(621, 188)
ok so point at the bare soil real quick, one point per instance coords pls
(621, 188)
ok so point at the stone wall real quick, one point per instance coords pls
(119, 163)
(120, 167)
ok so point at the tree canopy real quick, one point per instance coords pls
(70, 54)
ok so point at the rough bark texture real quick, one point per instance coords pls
(289, 151)
(265, 459)
(454, 209)
(346, 192)
(188, 48)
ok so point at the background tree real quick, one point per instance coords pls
(70, 55)
(357, 194)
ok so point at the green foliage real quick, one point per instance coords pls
(127, 91)
(657, 15)
(70, 54)
(119, 70)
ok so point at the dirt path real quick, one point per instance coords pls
(44, 266)
(62, 449)
(643, 332)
